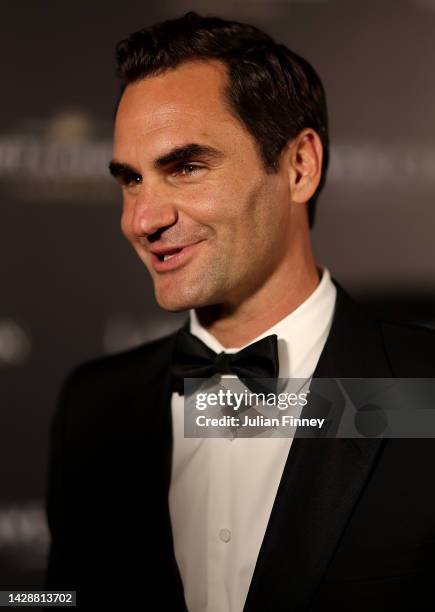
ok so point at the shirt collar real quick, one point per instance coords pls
(301, 334)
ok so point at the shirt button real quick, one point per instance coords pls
(225, 535)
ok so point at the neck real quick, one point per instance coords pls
(235, 325)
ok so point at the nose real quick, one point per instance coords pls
(153, 211)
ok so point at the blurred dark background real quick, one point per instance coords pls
(74, 289)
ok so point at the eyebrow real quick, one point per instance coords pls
(182, 153)
(118, 169)
(185, 152)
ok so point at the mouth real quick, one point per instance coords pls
(171, 258)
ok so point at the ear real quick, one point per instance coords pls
(304, 161)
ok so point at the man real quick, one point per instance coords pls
(221, 149)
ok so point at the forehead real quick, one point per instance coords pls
(188, 102)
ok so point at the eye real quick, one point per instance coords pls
(187, 169)
(131, 179)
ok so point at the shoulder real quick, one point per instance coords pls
(113, 379)
(125, 365)
(410, 349)
(407, 351)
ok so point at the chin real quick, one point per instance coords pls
(182, 299)
(175, 303)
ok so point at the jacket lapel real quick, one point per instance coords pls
(322, 478)
(152, 414)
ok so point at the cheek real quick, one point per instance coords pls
(226, 204)
(265, 221)
(209, 203)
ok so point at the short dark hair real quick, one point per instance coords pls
(273, 91)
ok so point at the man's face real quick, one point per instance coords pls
(195, 187)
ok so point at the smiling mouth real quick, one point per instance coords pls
(166, 256)
(171, 259)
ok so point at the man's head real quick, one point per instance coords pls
(220, 141)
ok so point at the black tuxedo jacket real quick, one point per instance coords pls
(352, 526)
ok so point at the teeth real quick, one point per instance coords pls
(165, 257)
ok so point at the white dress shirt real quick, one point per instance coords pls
(222, 491)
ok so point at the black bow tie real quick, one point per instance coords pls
(194, 359)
